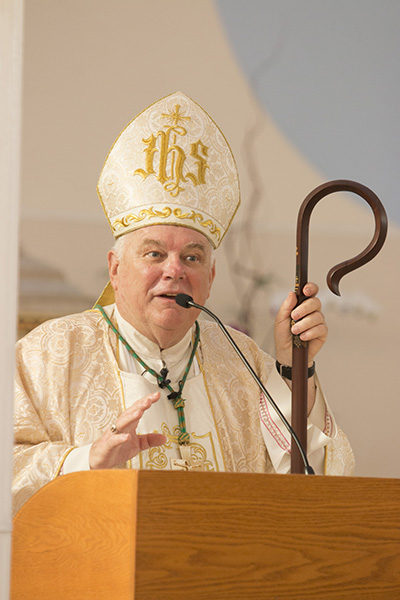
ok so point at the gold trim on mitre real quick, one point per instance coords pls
(168, 215)
(171, 165)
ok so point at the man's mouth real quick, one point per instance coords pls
(168, 296)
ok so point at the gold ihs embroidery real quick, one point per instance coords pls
(172, 157)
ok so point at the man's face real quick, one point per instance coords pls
(157, 263)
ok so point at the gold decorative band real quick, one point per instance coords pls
(151, 213)
(143, 214)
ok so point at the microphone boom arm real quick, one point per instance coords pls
(186, 301)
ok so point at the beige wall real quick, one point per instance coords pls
(11, 26)
(90, 66)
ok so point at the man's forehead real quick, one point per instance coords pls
(165, 234)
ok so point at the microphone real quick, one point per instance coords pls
(186, 301)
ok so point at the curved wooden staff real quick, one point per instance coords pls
(300, 349)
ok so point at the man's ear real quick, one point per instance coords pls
(212, 277)
(113, 265)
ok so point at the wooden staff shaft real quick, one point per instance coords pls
(300, 349)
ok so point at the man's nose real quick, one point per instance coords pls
(173, 268)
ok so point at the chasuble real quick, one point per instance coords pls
(71, 386)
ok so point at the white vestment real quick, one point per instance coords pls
(205, 445)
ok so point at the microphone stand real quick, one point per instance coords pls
(186, 301)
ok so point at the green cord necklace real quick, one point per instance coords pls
(174, 396)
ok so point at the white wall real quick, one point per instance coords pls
(10, 114)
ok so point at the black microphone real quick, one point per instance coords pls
(187, 302)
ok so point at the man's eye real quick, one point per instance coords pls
(154, 254)
(192, 258)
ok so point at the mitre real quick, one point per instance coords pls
(171, 165)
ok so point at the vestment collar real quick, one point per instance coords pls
(149, 350)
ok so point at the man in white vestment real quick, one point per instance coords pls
(138, 381)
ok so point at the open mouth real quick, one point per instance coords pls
(167, 296)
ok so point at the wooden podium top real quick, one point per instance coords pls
(163, 535)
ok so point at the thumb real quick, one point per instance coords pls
(286, 308)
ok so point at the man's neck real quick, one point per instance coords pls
(163, 338)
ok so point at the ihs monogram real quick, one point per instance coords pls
(171, 170)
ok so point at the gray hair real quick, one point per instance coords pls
(119, 246)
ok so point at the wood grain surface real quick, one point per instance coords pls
(255, 536)
(75, 539)
(208, 536)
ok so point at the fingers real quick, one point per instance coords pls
(128, 421)
(309, 322)
(149, 440)
(310, 289)
(311, 327)
(305, 320)
(285, 310)
(114, 448)
(309, 306)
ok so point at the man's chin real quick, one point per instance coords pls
(175, 323)
(172, 319)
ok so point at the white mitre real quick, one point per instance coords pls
(171, 166)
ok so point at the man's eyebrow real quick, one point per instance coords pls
(159, 244)
(150, 242)
(195, 246)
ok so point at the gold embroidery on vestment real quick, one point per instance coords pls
(195, 457)
(213, 414)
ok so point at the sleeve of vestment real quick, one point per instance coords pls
(40, 432)
(67, 393)
(321, 426)
(329, 450)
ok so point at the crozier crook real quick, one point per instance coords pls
(300, 348)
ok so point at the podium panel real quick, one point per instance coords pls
(173, 535)
(75, 539)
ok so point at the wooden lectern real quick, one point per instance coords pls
(147, 535)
